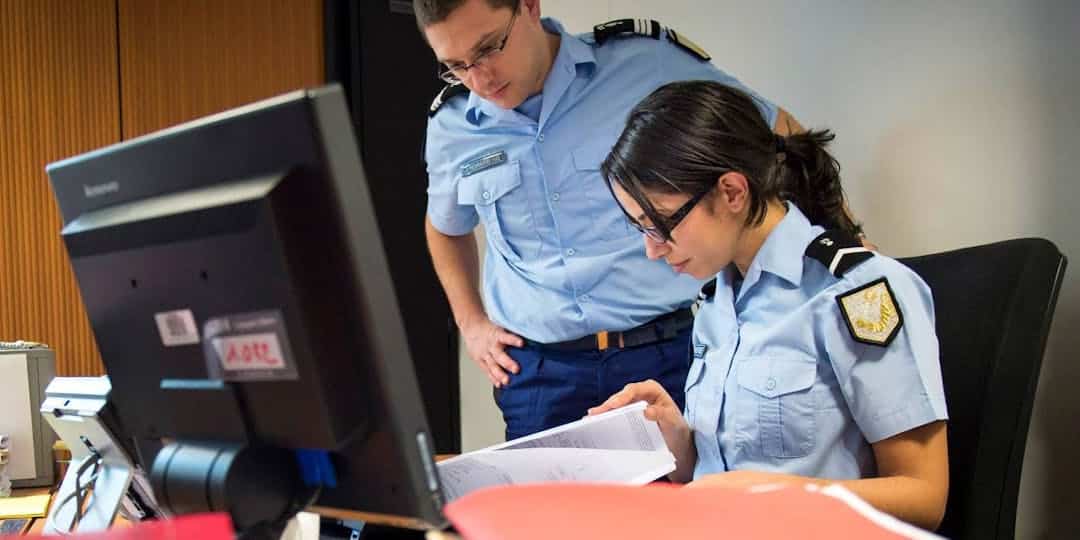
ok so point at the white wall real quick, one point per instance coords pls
(957, 124)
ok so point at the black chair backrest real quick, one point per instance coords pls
(993, 305)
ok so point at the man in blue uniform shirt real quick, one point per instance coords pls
(572, 310)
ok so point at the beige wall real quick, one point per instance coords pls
(957, 124)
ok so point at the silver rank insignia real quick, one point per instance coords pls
(449, 91)
(707, 291)
(686, 44)
(871, 313)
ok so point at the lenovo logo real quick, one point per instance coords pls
(101, 189)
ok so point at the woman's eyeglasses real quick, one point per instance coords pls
(672, 221)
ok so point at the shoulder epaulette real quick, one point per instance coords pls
(446, 94)
(622, 27)
(838, 251)
(647, 28)
(708, 290)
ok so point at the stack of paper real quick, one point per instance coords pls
(28, 506)
(617, 447)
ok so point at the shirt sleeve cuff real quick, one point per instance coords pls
(452, 226)
(905, 418)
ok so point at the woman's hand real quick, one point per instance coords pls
(663, 410)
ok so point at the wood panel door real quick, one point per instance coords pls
(180, 60)
(59, 91)
(79, 75)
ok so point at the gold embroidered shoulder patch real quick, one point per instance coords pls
(871, 313)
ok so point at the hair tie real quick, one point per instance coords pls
(781, 144)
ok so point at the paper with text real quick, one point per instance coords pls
(616, 447)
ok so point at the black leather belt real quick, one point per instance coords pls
(661, 328)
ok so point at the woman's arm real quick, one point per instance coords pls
(912, 482)
(913, 476)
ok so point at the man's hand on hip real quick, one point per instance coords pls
(486, 343)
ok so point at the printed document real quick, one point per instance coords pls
(616, 447)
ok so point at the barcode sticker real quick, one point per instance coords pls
(177, 327)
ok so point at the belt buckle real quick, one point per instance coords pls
(604, 341)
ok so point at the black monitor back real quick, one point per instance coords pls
(258, 216)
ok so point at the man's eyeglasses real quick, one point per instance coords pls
(671, 221)
(452, 73)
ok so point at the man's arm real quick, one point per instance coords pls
(457, 263)
(786, 124)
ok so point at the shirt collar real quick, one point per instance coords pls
(572, 48)
(782, 252)
(572, 51)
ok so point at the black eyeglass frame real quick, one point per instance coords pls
(670, 222)
(447, 73)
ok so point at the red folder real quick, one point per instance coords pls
(200, 526)
(572, 511)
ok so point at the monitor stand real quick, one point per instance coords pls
(102, 501)
(100, 471)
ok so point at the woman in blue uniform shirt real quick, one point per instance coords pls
(814, 359)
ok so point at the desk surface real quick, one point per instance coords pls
(37, 525)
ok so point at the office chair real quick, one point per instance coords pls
(993, 305)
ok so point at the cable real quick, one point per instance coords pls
(80, 494)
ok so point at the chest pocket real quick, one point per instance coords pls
(503, 206)
(776, 404)
(609, 222)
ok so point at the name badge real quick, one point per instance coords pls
(483, 163)
(699, 350)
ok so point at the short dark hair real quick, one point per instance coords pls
(429, 12)
(685, 135)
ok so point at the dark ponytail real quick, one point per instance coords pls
(811, 179)
(685, 135)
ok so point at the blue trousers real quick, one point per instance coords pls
(556, 387)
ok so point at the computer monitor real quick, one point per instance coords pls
(236, 284)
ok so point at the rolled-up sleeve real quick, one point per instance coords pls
(443, 210)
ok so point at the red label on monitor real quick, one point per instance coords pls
(248, 347)
(254, 351)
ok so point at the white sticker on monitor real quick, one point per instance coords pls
(248, 347)
(177, 328)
